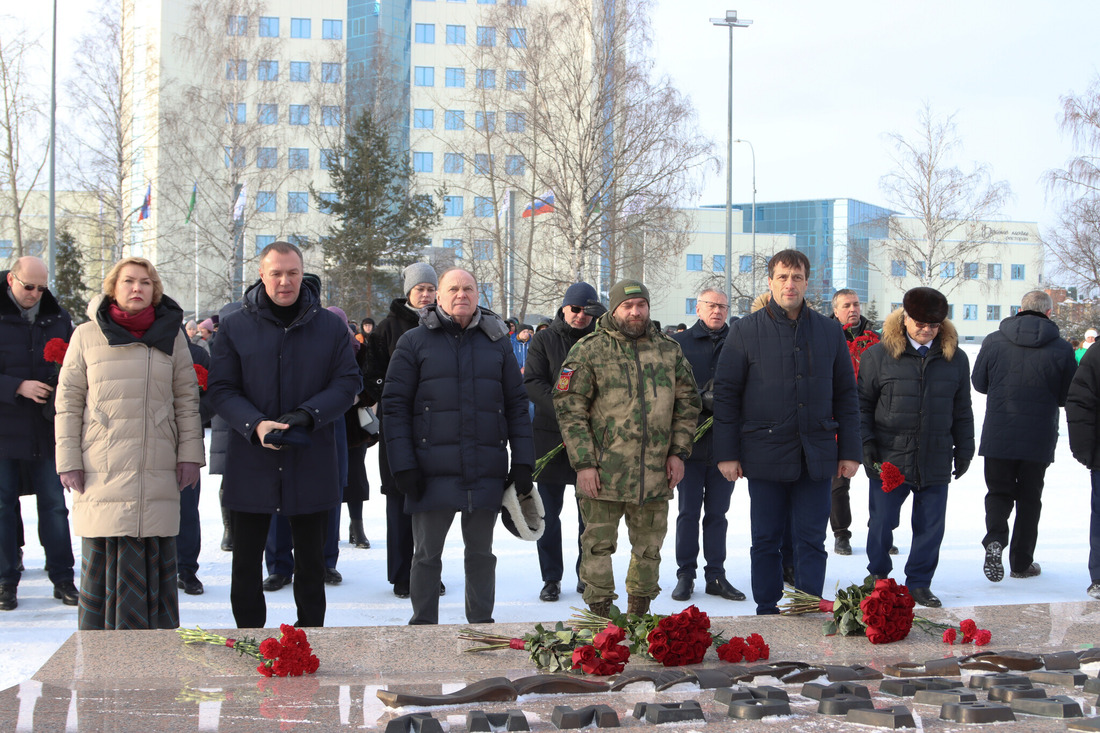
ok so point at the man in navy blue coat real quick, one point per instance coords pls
(786, 417)
(282, 375)
(454, 402)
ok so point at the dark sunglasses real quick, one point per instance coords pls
(575, 309)
(29, 288)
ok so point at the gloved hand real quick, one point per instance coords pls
(961, 464)
(410, 482)
(299, 418)
(870, 457)
(520, 477)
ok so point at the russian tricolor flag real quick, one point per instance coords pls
(146, 203)
(543, 205)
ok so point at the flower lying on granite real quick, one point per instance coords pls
(751, 649)
(967, 629)
(881, 609)
(288, 656)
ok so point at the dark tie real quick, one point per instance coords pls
(923, 351)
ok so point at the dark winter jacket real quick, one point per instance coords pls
(784, 390)
(219, 428)
(1083, 411)
(381, 344)
(261, 370)
(917, 411)
(1026, 369)
(545, 356)
(25, 431)
(454, 402)
(701, 348)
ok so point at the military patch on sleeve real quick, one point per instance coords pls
(563, 380)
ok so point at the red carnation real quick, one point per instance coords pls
(891, 476)
(983, 637)
(54, 350)
(202, 374)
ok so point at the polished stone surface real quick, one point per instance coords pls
(145, 681)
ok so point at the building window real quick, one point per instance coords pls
(486, 36)
(424, 119)
(515, 121)
(695, 263)
(299, 71)
(267, 71)
(521, 3)
(745, 263)
(328, 198)
(332, 30)
(453, 163)
(993, 313)
(897, 268)
(719, 264)
(330, 73)
(689, 305)
(266, 157)
(483, 249)
(970, 271)
(267, 114)
(455, 77)
(452, 206)
(327, 159)
(516, 81)
(456, 35)
(422, 162)
(515, 165)
(330, 116)
(235, 157)
(236, 69)
(486, 2)
(1017, 272)
(298, 240)
(297, 202)
(919, 267)
(424, 76)
(486, 289)
(265, 202)
(299, 28)
(485, 121)
(483, 207)
(483, 164)
(970, 312)
(993, 271)
(517, 37)
(262, 240)
(299, 114)
(456, 245)
(894, 306)
(235, 113)
(298, 159)
(486, 79)
(1013, 310)
(454, 119)
(950, 312)
(947, 269)
(425, 33)
(269, 27)
(238, 25)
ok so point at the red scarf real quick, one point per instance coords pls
(136, 323)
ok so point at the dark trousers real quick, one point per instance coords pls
(840, 517)
(804, 503)
(703, 490)
(929, 518)
(246, 592)
(1010, 483)
(549, 545)
(1094, 529)
(480, 564)
(399, 532)
(53, 518)
(279, 548)
(189, 540)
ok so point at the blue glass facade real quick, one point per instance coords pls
(379, 47)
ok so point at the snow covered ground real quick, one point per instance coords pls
(30, 634)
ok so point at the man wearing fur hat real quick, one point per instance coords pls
(914, 400)
(627, 406)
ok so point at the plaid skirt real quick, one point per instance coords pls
(128, 583)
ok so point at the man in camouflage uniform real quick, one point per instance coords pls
(627, 405)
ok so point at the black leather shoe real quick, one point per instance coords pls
(788, 575)
(683, 589)
(722, 587)
(1094, 590)
(842, 546)
(333, 577)
(551, 591)
(67, 593)
(8, 601)
(401, 589)
(992, 567)
(925, 597)
(443, 590)
(893, 549)
(190, 585)
(357, 536)
(276, 582)
(580, 587)
(1030, 572)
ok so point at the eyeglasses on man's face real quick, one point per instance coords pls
(922, 326)
(29, 288)
(712, 306)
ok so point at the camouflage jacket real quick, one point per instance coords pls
(624, 406)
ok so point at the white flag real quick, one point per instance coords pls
(238, 208)
(504, 206)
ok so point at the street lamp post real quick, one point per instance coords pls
(753, 151)
(731, 22)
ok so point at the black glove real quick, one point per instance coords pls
(299, 418)
(520, 477)
(410, 482)
(594, 309)
(961, 464)
(706, 395)
(870, 457)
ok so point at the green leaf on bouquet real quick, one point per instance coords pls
(829, 627)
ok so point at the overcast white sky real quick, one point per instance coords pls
(818, 85)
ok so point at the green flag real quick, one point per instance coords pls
(191, 205)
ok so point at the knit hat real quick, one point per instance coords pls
(625, 290)
(208, 324)
(417, 273)
(580, 295)
(1091, 332)
(926, 305)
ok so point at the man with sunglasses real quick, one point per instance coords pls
(914, 402)
(29, 317)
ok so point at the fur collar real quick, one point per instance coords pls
(895, 340)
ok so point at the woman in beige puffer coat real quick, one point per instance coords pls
(129, 439)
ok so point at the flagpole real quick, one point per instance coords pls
(196, 224)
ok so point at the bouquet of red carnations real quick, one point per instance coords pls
(882, 610)
(288, 656)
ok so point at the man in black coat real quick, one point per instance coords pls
(914, 401)
(545, 355)
(1083, 417)
(29, 317)
(454, 405)
(1025, 368)
(704, 490)
(786, 418)
(282, 375)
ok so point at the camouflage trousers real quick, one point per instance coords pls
(646, 526)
